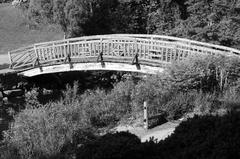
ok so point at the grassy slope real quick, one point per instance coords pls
(15, 33)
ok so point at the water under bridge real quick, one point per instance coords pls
(118, 52)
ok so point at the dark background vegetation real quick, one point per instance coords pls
(211, 21)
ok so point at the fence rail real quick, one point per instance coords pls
(149, 49)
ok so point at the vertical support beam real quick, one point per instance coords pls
(145, 115)
(135, 61)
(68, 50)
(68, 60)
(101, 45)
(37, 63)
(151, 43)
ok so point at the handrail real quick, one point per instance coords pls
(151, 49)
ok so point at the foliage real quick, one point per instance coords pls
(214, 21)
(8, 152)
(207, 73)
(5, 1)
(179, 104)
(80, 138)
(43, 130)
(31, 98)
(230, 99)
(205, 137)
(107, 108)
(155, 90)
(207, 103)
(109, 146)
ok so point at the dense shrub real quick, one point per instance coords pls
(156, 90)
(98, 109)
(106, 108)
(5, 1)
(43, 130)
(8, 152)
(179, 104)
(205, 137)
(109, 146)
(230, 99)
(206, 73)
(207, 103)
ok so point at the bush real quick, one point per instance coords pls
(179, 104)
(230, 99)
(156, 90)
(42, 131)
(206, 73)
(109, 146)
(206, 103)
(205, 137)
(107, 108)
(8, 152)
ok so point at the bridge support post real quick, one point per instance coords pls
(100, 59)
(37, 63)
(68, 60)
(136, 62)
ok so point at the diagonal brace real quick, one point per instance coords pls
(100, 59)
(69, 60)
(135, 61)
(37, 64)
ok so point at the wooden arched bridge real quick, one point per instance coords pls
(120, 52)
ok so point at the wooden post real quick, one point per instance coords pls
(145, 114)
(37, 63)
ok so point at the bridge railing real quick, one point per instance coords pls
(149, 49)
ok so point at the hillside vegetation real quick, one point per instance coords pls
(16, 32)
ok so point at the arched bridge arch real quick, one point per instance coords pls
(121, 52)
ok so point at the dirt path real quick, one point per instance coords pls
(160, 132)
